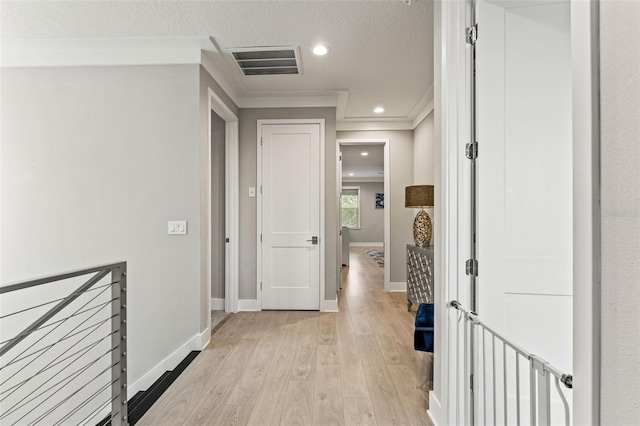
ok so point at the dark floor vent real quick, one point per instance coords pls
(140, 403)
(267, 60)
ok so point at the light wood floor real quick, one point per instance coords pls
(355, 367)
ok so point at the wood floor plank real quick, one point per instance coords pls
(385, 399)
(414, 400)
(269, 403)
(298, 406)
(327, 399)
(327, 332)
(354, 367)
(358, 412)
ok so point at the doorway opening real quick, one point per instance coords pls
(364, 189)
(222, 234)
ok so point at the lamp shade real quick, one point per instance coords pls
(418, 196)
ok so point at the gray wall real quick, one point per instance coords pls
(248, 178)
(217, 154)
(620, 173)
(423, 152)
(401, 170)
(371, 219)
(95, 161)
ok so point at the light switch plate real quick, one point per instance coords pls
(252, 191)
(177, 227)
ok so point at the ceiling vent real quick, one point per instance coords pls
(275, 60)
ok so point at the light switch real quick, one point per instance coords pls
(252, 191)
(177, 227)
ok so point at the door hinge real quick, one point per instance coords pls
(472, 267)
(260, 141)
(260, 285)
(471, 382)
(472, 34)
(260, 237)
(261, 189)
(471, 150)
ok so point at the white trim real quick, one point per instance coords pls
(397, 286)
(103, 52)
(363, 125)
(435, 408)
(169, 363)
(232, 191)
(422, 108)
(217, 304)
(323, 239)
(329, 101)
(331, 305)
(585, 57)
(248, 305)
(362, 179)
(366, 244)
(423, 114)
(387, 192)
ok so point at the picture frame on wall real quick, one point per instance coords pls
(379, 200)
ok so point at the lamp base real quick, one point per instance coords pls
(422, 229)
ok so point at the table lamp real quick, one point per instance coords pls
(420, 196)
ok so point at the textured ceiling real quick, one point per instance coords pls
(381, 52)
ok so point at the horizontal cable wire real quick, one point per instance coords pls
(73, 376)
(59, 321)
(95, 326)
(86, 349)
(54, 328)
(104, 405)
(85, 402)
(51, 410)
(56, 300)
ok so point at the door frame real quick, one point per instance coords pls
(232, 229)
(322, 243)
(451, 125)
(387, 196)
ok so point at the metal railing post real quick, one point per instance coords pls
(544, 390)
(119, 411)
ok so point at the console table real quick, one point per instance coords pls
(419, 275)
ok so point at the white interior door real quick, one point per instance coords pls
(524, 184)
(290, 254)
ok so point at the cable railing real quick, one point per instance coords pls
(509, 385)
(69, 364)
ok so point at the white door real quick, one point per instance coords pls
(290, 254)
(523, 69)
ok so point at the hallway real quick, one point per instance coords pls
(356, 367)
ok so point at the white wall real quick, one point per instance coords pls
(620, 174)
(401, 170)
(95, 161)
(371, 219)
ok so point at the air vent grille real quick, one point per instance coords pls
(267, 60)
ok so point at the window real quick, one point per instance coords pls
(350, 209)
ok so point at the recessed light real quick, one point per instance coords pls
(320, 50)
(350, 174)
(378, 110)
(364, 154)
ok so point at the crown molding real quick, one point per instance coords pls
(288, 102)
(349, 126)
(102, 52)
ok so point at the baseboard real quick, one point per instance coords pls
(217, 304)
(435, 409)
(366, 244)
(397, 286)
(250, 305)
(169, 363)
(331, 306)
(205, 338)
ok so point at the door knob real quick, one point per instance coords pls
(313, 240)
